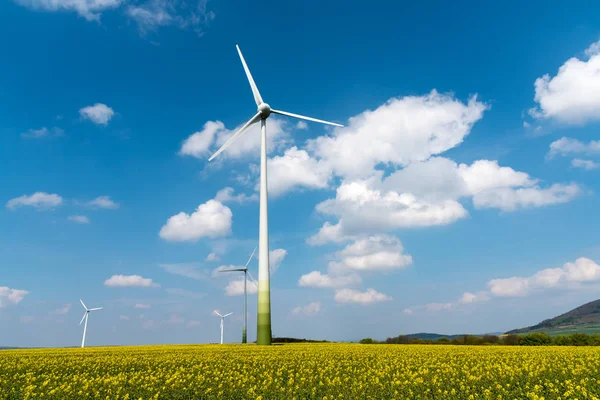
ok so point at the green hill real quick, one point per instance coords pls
(583, 319)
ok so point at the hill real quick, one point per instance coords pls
(583, 319)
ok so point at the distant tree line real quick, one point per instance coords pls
(295, 340)
(529, 339)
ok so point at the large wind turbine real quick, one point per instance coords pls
(263, 330)
(246, 273)
(222, 320)
(85, 316)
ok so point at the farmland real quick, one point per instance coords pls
(302, 371)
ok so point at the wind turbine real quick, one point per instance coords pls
(246, 273)
(85, 316)
(263, 330)
(222, 319)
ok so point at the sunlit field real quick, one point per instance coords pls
(302, 371)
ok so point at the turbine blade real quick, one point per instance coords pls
(289, 114)
(83, 304)
(251, 255)
(236, 135)
(97, 308)
(252, 279)
(227, 315)
(255, 91)
(82, 318)
(234, 269)
(217, 313)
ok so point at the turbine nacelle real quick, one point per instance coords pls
(264, 110)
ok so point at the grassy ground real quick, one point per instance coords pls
(302, 371)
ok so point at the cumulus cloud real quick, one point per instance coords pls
(566, 146)
(571, 275)
(427, 194)
(88, 9)
(10, 296)
(38, 200)
(346, 296)
(296, 169)
(212, 257)
(401, 131)
(573, 95)
(236, 287)
(588, 165)
(308, 310)
(226, 196)
(276, 257)
(79, 219)
(42, 133)
(316, 279)
(103, 202)
(129, 281)
(211, 219)
(375, 253)
(214, 134)
(99, 113)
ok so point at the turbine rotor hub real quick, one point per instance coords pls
(265, 110)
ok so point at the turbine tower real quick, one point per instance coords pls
(263, 329)
(246, 273)
(222, 320)
(85, 316)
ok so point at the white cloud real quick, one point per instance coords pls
(10, 296)
(157, 13)
(468, 297)
(345, 296)
(427, 194)
(39, 200)
(212, 257)
(102, 202)
(226, 196)
(185, 270)
(573, 95)
(508, 199)
(433, 307)
(401, 131)
(295, 168)
(214, 135)
(276, 257)
(316, 279)
(236, 287)
(142, 306)
(308, 310)
(80, 219)
(375, 253)
(301, 125)
(211, 219)
(198, 144)
(328, 233)
(88, 9)
(565, 146)
(123, 317)
(585, 164)
(99, 113)
(42, 132)
(129, 281)
(62, 310)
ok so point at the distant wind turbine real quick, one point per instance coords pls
(222, 319)
(85, 316)
(246, 273)
(263, 331)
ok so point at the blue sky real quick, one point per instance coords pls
(460, 197)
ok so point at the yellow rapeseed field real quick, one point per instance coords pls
(302, 371)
